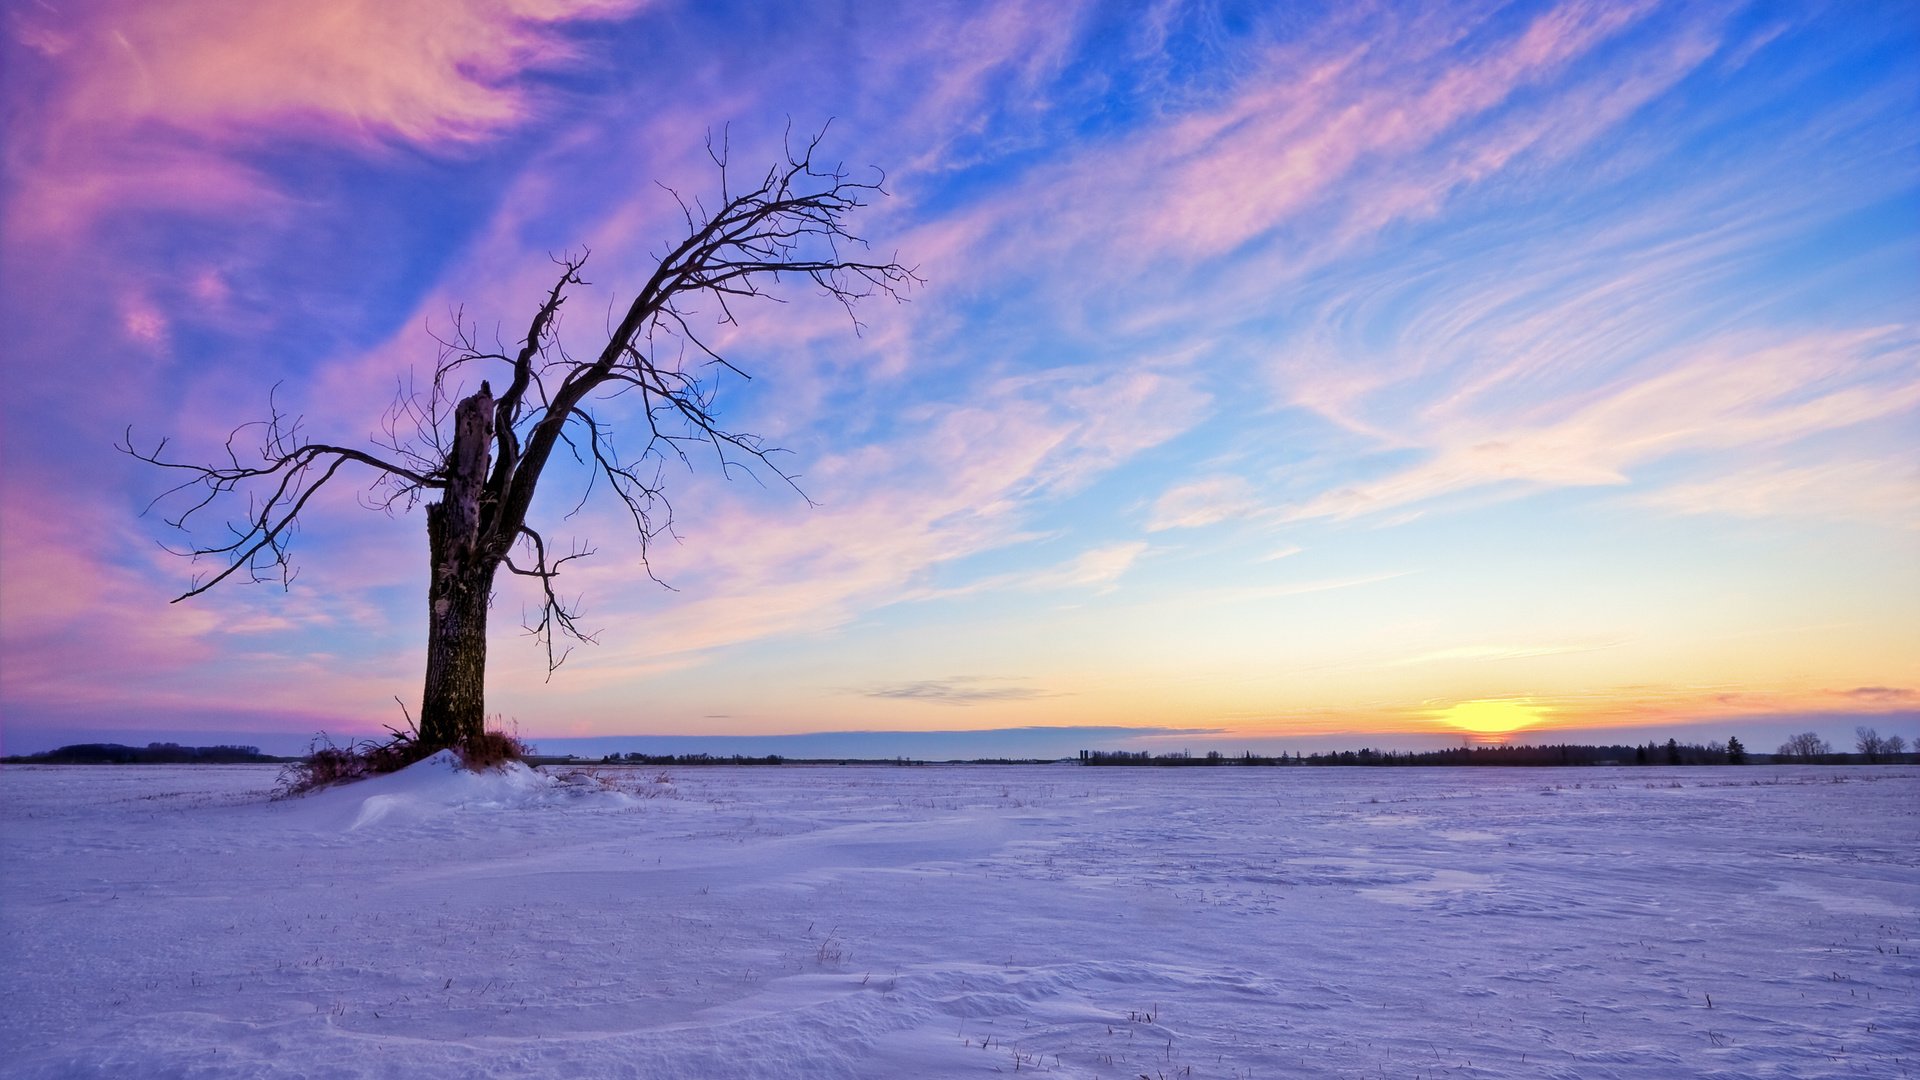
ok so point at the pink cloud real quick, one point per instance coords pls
(1371, 118)
(1539, 135)
(66, 610)
(1888, 695)
(1215, 180)
(1877, 490)
(144, 323)
(1785, 390)
(429, 71)
(86, 623)
(1098, 569)
(1206, 501)
(141, 97)
(1017, 44)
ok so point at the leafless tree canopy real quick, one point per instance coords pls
(1806, 746)
(786, 225)
(1878, 748)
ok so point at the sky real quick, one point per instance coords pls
(1284, 375)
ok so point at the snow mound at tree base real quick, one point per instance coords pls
(441, 784)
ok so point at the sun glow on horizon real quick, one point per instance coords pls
(1492, 720)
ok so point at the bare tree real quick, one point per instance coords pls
(1805, 747)
(479, 457)
(1871, 746)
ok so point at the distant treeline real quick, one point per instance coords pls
(151, 754)
(776, 759)
(1671, 752)
(690, 759)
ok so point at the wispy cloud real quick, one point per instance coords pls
(1278, 148)
(1253, 593)
(178, 83)
(1480, 653)
(957, 690)
(997, 58)
(1727, 395)
(83, 575)
(1206, 501)
(1319, 130)
(1889, 695)
(1099, 570)
(962, 483)
(1875, 490)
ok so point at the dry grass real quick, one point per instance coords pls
(328, 763)
(491, 750)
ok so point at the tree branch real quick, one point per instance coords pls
(554, 612)
(790, 223)
(289, 473)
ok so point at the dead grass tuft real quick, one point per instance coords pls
(491, 750)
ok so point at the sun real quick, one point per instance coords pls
(1492, 720)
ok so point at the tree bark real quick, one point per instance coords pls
(460, 589)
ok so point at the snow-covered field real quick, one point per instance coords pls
(950, 922)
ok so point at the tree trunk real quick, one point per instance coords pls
(453, 705)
